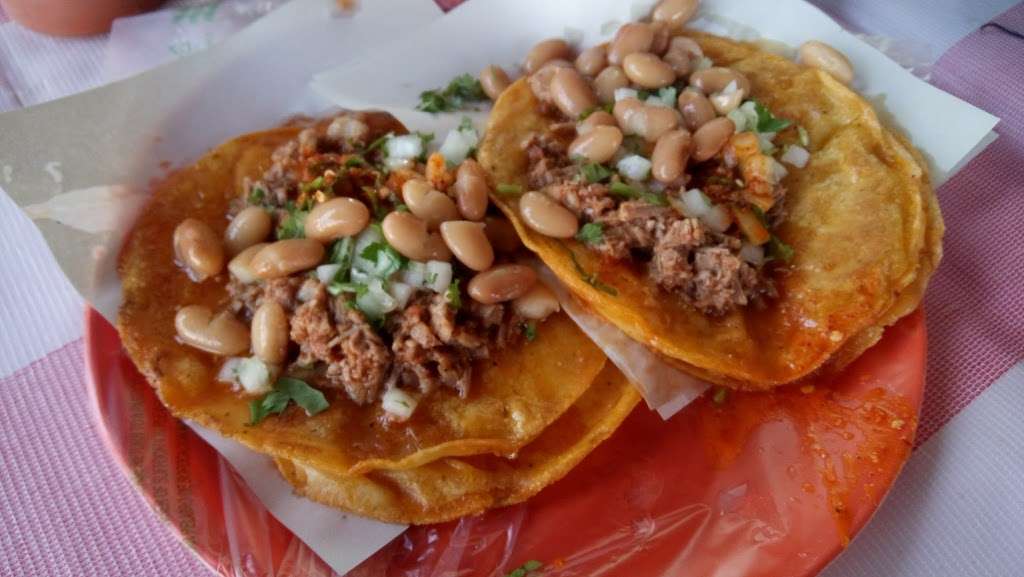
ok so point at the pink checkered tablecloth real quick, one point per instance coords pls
(66, 509)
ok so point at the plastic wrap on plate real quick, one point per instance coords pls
(745, 484)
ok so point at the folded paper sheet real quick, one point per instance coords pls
(100, 149)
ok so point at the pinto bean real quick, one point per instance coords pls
(608, 81)
(501, 283)
(823, 57)
(494, 81)
(270, 332)
(468, 242)
(718, 78)
(408, 234)
(429, 205)
(241, 266)
(540, 81)
(471, 190)
(571, 93)
(221, 335)
(648, 71)
(546, 51)
(629, 39)
(696, 108)
(598, 145)
(668, 161)
(546, 216)
(249, 227)
(336, 218)
(198, 249)
(675, 12)
(592, 60)
(710, 138)
(285, 257)
(537, 303)
(593, 120)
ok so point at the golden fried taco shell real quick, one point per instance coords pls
(856, 220)
(513, 397)
(453, 487)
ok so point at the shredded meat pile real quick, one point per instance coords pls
(432, 344)
(683, 256)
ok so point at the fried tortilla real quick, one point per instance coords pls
(860, 218)
(514, 395)
(452, 487)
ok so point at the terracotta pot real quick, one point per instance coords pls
(73, 17)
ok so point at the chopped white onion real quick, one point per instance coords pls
(370, 235)
(752, 254)
(359, 277)
(439, 275)
(376, 302)
(307, 291)
(739, 118)
(254, 376)
(398, 404)
(703, 64)
(326, 272)
(414, 273)
(695, 204)
(634, 167)
(778, 171)
(717, 218)
(731, 87)
(624, 93)
(402, 292)
(404, 146)
(764, 140)
(229, 370)
(653, 100)
(399, 163)
(656, 186)
(796, 156)
(458, 144)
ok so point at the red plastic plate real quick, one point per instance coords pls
(756, 485)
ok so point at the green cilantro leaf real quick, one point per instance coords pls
(377, 143)
(508, 189)
(401, 207)
(595, 172)
(337, 287)
(463, 89)
(529, 331)
(291, 226)
(624, 190)
(760, 214)
(466, 125)
(778, 250)
(355, 160)
(453, 296)
(287, 389)
(591, 278)
(257, 195)
(426, 138)
(388, 260)
(526, 568)
(591, 233)
(315, 184)
(342, 252)
(767, 122)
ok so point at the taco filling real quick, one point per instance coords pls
(363, 265)
(664, 162)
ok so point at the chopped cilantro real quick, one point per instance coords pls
(315, 184)
(643, 94)
(430, 278)
(525, 569)
(529, 331)
(426, 138)
(401, 207)
(595, 172)
(508, 189)
(634, 144)
(257, 195)
(720, 395)
(377, 143)
(388, 260)
(778, 250)
(336, 288)
(291, 226)
(287, 389)
(355, 160)
(453, 296)
(768, 122)
(376, 209)
(466, 125)
(342, 252)
(624, 190)
(760, 214)
(591, 233)
(462, 90)
(591, 278)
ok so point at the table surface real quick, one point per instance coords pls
(66, 509)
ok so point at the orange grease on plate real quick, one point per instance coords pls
(855, 441)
